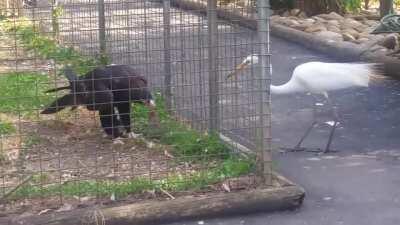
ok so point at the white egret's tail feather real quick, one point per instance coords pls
(384, 71)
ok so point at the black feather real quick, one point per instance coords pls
(109, 90)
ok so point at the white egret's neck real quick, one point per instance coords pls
(288, 88)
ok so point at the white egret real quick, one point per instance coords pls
(321, 77)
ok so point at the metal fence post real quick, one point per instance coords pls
(263, 128)
(167, 53)
(102, 30)
(213, 65)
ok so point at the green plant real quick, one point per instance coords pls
(38, 187)
(23, 92)
(46, 47)
(187, 143)
(352, 5)
(6, 128)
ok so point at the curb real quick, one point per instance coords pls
(339, 50)
(287, 197)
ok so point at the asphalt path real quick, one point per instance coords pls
(357, 185)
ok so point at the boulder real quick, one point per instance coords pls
(309, 20)
(333, 23)
(351, 23)
(371, 23)
(362, 40)
(315, 28)
(334, 29)
(352, 32)
(329, 35)
(331, 16)
(319, 19)
(348, 37)
(286, 14)
(295, 12)
(390, 41)
(289, 22)
(275, 17)
(302, 15)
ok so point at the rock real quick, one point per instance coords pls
(315, 28)
(286, 14)
(348, 37)
(319, 19)
(333, 23)
(331, 16)
(289, 22)
(371, 23)
(309, 20)
(302, 15)
(351, 23)
(360, 28)
(334, 29)
(295, 12)
(329, 35)
(275, 17)
(362, 40)
(390, 42)
(352, 32)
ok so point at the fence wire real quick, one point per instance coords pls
(203, 124)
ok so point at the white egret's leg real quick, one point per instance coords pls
(314, 123)
(298, 145)
(333, 125)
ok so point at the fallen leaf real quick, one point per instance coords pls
(226, 187)
(166, 153)
(65, 207)
(44, 211)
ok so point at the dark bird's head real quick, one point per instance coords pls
(78, 93)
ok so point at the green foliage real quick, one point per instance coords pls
(37, 187)
(352, 5)
(22, 92)
(46, 47)
(6, 128)
(186, 142)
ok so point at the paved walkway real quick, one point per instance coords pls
(358, 185)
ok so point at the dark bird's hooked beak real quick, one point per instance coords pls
(237, 70)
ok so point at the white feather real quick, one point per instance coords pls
(321, 77)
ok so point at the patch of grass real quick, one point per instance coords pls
(48, 48)
(186, 142)
(6, 128)
(22, 92)
(174, 183)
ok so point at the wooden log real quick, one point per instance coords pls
(221, 204)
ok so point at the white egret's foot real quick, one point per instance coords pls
(133, 135)
(294, 149)
(118, 141)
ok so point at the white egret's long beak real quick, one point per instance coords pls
(238, 68)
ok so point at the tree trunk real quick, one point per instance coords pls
(314, 7)
(366, 4)
(386, 7)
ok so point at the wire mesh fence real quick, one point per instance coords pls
(92, 145)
